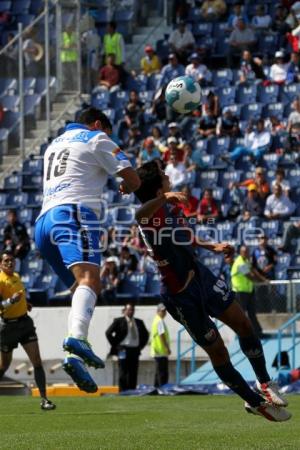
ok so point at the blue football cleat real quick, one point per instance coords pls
(83, 349)
(79, 374)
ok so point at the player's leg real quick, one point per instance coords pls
(251, 346)
(33, 352)
(5, 361)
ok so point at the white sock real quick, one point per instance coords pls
(83, 304)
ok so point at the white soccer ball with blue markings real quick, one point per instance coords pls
(183, 94)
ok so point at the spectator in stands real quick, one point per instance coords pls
(159, 105)
(278, 71)
(1, 114)
(160, 346)
(260, 181)
(134, 110)
(16, 239)
(257, 143)
(275, 126)
(213, 9)
(110, 279)
(189, 208)
(234, 200)
(294, 10)
(261, 21)
(110, 76)
(294, 117)
(181, 42)
(128, 261)
(172, 70)
(180, 10)
(150, 63)
(278, 205)
(173, 149)
(208, 210)
(253, 203)
(238, 11)
(290, 238)
(147, 263)
(293, 68)
(211, 102)
(241, 38)
(127, 337)
(194, 156)
(251, 69)
(133, 141)
(113, 43)
(176, 172)
(228, 124)
(159, 140)
(11, 56)
(149, 152)
(133, 241)
(280, 179)
(198, 70)
(208, 124)
(243, 277)
(264, 258)
(291, 144)
(174, 131)
(69, 57)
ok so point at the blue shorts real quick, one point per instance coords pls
(66, 235)
(206, 296)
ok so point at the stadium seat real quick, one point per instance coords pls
(35, 199)
(100, 99)
(226, 95)
(25, 19)
(10, 102)
(44, 284)
(146, 96)
(129, 287)
(289, 92)
(26, 215)
(13, 182)
(268, 94)
(222, 77)
(246, 94)
(217, 146)
(15, 200)
(5, 6)
(252, 111)
(28, 280)
(124, 215)
(270, 227)
(3, 199)
(235, 109)
(32, 167)
(8, 86)
(202, 29)
(207, 179)
(32, 182)
(293, 176)
(119, 99)
(267, 43)
(220, 29)
(218, 193)
(222, 48)
(20, 6)
(152, 286)
(225, 230)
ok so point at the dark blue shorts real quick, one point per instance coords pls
(66, 235)
(206, 296)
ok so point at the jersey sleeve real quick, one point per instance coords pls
(161, 328)
(108, 155)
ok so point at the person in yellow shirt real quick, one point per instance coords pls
(160, 346)
(16, 327)
(150, 63)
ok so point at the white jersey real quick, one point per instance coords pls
(76, 167)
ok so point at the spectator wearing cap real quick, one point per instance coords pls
(181, 42)
(198, 71)
(241, 38)
(293, 68)
(149, 152)
(208, 124)
(174, 131)
(280, 179)
(150, 63)
(260, 182)
(228, 124)
(257, 142)
(238, 11)
(160, 346)
(278, 71)
(208, 209)
(176, 172)
(213, 9)
(253, 203)
(261, 21)
(251, 69)
(171, 70)
(278, 205)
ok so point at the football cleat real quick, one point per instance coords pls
(83, 349)
(79, 374)
(47, 405)
(269, 411)
(270, 391)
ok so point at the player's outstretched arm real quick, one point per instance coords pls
(222, 247)
(149, 208)
(131, 181)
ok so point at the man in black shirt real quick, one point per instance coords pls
(16, 238)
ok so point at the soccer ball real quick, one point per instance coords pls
(183, 94)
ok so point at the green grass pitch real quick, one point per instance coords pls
(158, 423)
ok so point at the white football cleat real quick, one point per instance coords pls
(269, 411)
(270, 391)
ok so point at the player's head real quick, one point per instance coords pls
(154, 182)
(161, 310)
(7, 262)
(12, 216)
(95, 120)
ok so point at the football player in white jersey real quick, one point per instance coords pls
(67, 232)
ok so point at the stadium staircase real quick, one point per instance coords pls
(286, 338)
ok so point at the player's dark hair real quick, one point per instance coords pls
(89, 116)
(6, 252)
(113, 24)
(151, 181)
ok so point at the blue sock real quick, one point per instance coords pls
(234, 380)
(252, 349)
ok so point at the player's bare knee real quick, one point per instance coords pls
(93, 283)
(244, 328)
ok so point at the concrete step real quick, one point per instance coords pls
(41, 124)
(154, 21)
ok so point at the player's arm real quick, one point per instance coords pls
(8, 302)
(222, 247)
(131, 181)
(149, 208)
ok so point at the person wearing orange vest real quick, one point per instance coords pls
(113, 43)
(160, 346)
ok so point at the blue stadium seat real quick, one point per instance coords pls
(267, 43)
(268, 94)
(15, 200)
(142, 81)
(218, 193)
(28, 279)
(5, 6)
(10, 102)
(26, 215)
(32, 167)
(207, 179)
(194, 15)
(20, 6)
(208, 160)
(123, 15)
(217, 146)
(153, 284)
(225, 230)
(130, 286)
(222, 48)
(271, 160)
(32, 182)
(270, 227)
(45, 283)
(32, 104)
(252, 111)
(212, 262)
(202, 29)
(283, 261)
(35, 199)
(246, 94)
(36, 6)
(3, 199)
(111, 114)
(146, 96)
(162, 49)
(100, 16)
(25, 19)
(293, 176)
(289, 92)
(222, 77)
(8, 86)
(29, 85)
(100, 99)
(41, 87)
(273, 109)
(201, 145)
(125, 215)
(220, 29)
(235, 109)
(119, 99)
(226, 95)
(13, 182)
